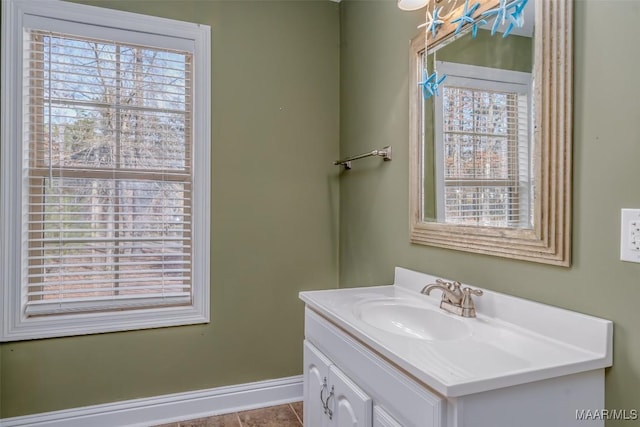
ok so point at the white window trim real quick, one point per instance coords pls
(14, 325)
(483, 78)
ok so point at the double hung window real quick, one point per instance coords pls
(105, 183)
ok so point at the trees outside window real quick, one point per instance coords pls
(112, 152)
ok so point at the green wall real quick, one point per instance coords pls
(275, 130)
(374, 197)
(296, 84)
(509, 53)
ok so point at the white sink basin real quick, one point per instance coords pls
(402, 318)
(512, 341)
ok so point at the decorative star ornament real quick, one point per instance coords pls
(433, 21)
(430, 84)
(437, 82)
(516, 17)
(426, 83)
(500, 13)
(466, 17)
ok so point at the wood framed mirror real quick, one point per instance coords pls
(451, 207)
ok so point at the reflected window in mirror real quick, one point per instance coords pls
(483, 167)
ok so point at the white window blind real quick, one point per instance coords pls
(482, 156)
(109, 223)
(105, 158)
(482, 134)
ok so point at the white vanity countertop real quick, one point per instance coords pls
(511, 341)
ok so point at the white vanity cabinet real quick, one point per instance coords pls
(382, 419)
(388, 356)
(331, 398)
(346, 384)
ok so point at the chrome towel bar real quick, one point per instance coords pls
(385, 153)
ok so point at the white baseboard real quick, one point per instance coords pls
(171, 407)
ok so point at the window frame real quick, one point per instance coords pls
(14, 324)
(479, 78)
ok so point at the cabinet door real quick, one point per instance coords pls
(349, 406)
(316, 391)
(382, 419)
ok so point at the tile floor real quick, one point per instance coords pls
(289, 415)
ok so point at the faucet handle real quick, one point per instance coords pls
(467, 305)
(455, 286)
(469, 291)
(452, 286)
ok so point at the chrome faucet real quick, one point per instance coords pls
(451, 291)
(454, 299)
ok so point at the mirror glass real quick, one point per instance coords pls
(490, 150)
(478, 143)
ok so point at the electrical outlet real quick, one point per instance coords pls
(630, 235)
